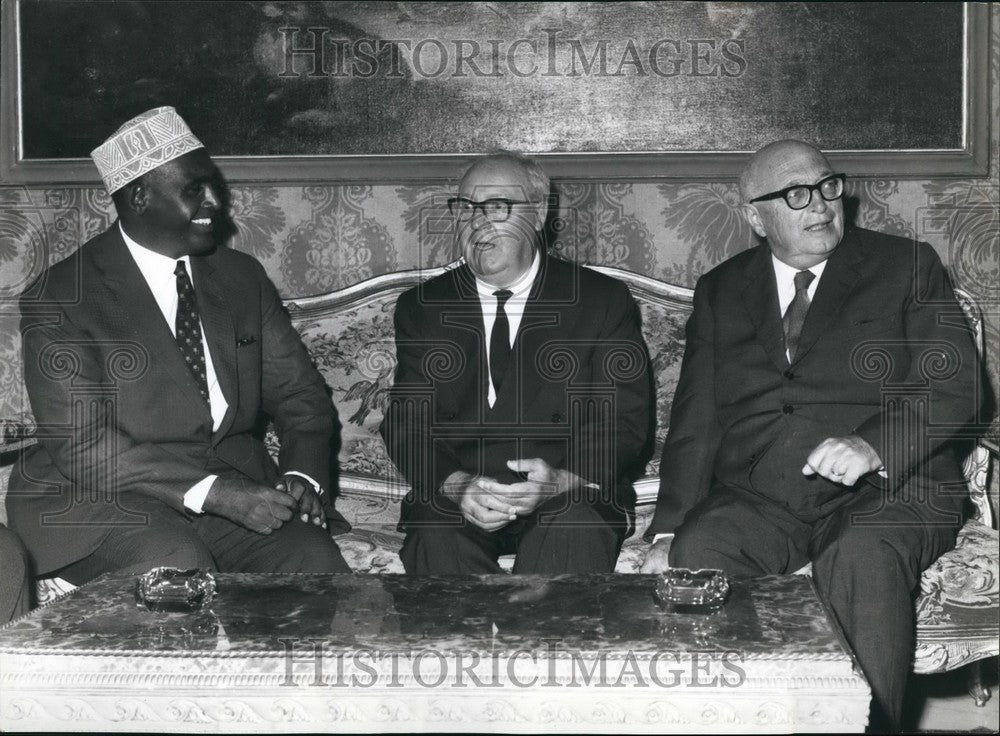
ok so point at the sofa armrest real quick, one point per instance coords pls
(981, 463)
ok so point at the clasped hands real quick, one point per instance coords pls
(491, 505)
(262, 509)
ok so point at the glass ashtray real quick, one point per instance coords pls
(174, 590)
(680, 590)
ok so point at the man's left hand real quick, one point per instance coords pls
(543, 482)
(306, 498)
(842, 459)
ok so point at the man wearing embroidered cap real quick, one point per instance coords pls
(794, 434)
(149, 355)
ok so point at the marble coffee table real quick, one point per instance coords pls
(498, 653)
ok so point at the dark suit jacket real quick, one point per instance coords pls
(577, 393)
(119, 415)
(883, 324)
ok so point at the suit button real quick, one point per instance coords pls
(788, 409)
(789, 375)
(557, 417)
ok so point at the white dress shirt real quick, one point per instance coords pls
(514, 309)
(784, 275)
(158, 272)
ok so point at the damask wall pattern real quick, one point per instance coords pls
(317, 238)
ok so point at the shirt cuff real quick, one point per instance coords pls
(314, 484)
(195, 496)
(663, 535)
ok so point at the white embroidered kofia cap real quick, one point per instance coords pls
(142, 144)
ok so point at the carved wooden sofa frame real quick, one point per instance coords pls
(349, 335)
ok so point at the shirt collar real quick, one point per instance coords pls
(786, 274)
(520, 288)
(155, 267)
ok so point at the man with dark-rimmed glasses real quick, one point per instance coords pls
(521, 405)
(808, 425)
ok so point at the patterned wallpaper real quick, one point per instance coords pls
(317, 238)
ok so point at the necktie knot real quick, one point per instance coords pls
(803, 279)
(502, 296)
(180, 269)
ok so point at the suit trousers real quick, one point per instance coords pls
(558, 537)
(867, 559)
(169, 538)
(15, 592)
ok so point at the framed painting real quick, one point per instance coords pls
(369, 91)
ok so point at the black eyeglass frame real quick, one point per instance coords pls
(453, 202)
(817, 187)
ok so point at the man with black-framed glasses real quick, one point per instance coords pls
(808, 425)
(521, 406)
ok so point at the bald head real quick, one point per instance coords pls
(801, 237)
(775, 162)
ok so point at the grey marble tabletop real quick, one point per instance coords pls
(769, 617)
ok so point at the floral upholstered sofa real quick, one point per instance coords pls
(350, 337)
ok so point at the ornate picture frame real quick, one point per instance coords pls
(324, 92)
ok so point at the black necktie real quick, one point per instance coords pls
(795, 315)
(187, 330)
(500, 340)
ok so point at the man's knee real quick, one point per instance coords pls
(302, 548)
(874, 552)
(15, 597)
(692, 540)
(557, 513)
(16, 567)
(573, 539)
(181, 548)
(13, 554)
(448, 549)
(446, 539)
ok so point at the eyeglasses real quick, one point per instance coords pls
(799, 196)
(495, 210)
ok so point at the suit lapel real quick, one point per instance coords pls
(542, 316)
(214, 310)
(760, 296)
(128, 287)
(465, 326)
(838, 280)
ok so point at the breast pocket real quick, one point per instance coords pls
(865, 326)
